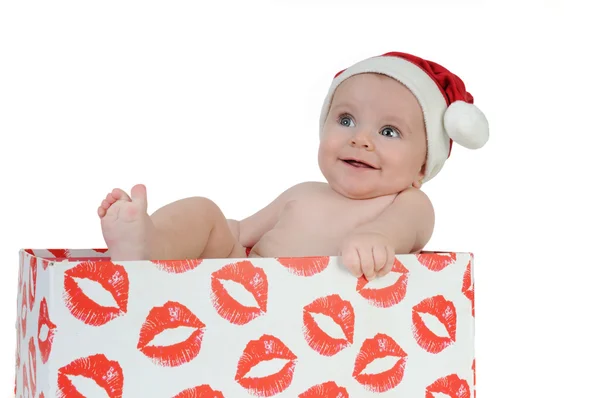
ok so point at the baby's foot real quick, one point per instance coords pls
(126, 226)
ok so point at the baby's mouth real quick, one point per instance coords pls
(357, 163)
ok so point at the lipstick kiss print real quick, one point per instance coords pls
(468, 288)
(24, 311)
(60, 253)
(436, 261)
(265, 349)
(474, 378)
(107, 374)
(111, 277)
(18, 348)
(445, 312)
(377, 347)
(307, 266)
(325, 390)
(177, 266)
(21, 267)
(203, 391)
(170, 316)
(253, 279)
(44, 320)
(388, 296)
(32, 367)
(32, 281)
(451, 385)
(341, 312)
(25, 382)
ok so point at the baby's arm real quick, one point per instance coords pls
(408, 222)
(251, 229)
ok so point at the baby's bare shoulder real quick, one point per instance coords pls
(306, 188)
(415, 205)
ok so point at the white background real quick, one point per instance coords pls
(224, 102)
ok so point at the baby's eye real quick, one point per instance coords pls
(346, 121)
(390, 132)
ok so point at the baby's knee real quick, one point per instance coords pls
(201, 201)
(204, 205)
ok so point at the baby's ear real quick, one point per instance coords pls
(418, 182)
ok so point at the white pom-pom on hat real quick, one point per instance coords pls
(466, 125)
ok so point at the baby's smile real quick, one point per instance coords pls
(359, 164)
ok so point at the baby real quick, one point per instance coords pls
(386, 127)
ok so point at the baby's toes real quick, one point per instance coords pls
(110, 199)
(117, 194)
(105, 204)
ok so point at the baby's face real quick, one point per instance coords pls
(375, 120)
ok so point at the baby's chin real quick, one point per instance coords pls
(363, 191)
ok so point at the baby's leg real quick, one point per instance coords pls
(188, 228)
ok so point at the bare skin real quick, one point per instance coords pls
(372, 154)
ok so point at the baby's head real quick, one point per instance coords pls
(388, 123)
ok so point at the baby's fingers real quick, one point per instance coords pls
(351, 261)
(380, 257)
(367, 263)
(389, 263)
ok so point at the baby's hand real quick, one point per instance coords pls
(368, 253)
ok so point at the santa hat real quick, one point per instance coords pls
(448, 109)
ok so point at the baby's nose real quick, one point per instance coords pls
(362, 141)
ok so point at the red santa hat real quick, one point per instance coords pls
(448, 109)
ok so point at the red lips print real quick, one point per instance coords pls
(341, 312)
(177, 266)
(325, 390)
(250, 277)
(451, 385)
(111, 277)
(445, 312)
(388, 296)
(32, 281)
(44, 320)
(468, 288)
(170, 316)
(474, 379)
(436, 261)
(60, 253)
(107, 374)
(24, 311)
(377, 347)
(307, 266)
(203, 391)
(18, 348)
(265, 349)
(32, 367)
(25, 382)
(21, 266)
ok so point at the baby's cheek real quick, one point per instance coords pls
(327, 151)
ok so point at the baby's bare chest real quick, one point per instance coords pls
(316, 225)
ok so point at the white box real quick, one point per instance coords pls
(234, 328)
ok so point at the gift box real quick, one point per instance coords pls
(261, 327)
